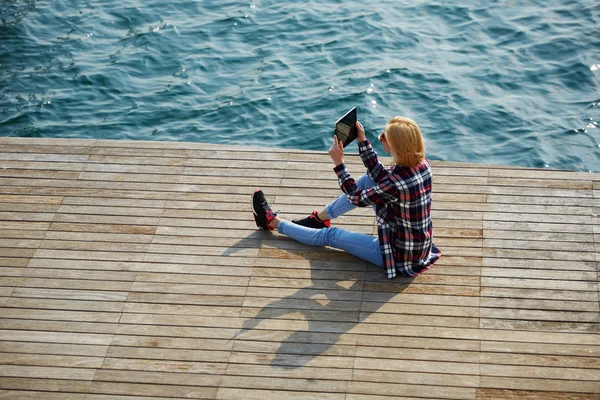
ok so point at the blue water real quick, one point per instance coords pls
(503, 82)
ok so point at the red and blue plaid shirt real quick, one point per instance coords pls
(402, 200)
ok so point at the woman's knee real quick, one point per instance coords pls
(365, 182)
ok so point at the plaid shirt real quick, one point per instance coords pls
(402, 200)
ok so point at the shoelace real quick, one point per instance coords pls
(267, 208)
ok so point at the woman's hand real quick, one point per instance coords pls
(336, 151)
(360, 135)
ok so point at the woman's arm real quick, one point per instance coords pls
(375, 169)
(384, 192)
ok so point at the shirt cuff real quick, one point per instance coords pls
(364, 145)
(339, 168)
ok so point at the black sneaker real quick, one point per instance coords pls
(313, 221)
(262, 211)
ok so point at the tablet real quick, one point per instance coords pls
(345, 127)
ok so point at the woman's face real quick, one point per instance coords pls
(386, 145)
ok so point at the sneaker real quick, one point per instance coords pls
(313, 221)
(262, 211)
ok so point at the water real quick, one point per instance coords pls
(503, 82)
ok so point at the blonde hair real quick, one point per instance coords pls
(406, 142)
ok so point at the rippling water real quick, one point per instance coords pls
(505, 82)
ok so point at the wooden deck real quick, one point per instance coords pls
(134, 270)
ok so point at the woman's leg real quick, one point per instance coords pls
(342, 205)
(363, 246)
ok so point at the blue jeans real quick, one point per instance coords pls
(365, 247)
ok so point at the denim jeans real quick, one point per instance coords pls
(365, 247)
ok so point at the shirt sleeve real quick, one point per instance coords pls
(375, 169)
(384, 192)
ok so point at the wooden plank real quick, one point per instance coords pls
(93, 169)
(417, 378)
(216, 300)
(89, 255)
(42, 157)
(61, 315)
(197, 174)
(32, 395)
(534, 245)
(539, 293)
(26, 216)
(23, 371)
(195, 367)
(338, 374)
(546, 182)
(113, 202)
(57, 326)
(259, 394)
(137, 160)
(541, 218)
(150, 353)
(185, 332)
(155, 341)
(182, 309)
(191, 279)
(538, 200)
(44, 165)
(310, 346)
(103, 228)
(22, 234)
(538, 273)
(104, 285)
(110, 211)
(55, 235)
(540, 326)
(539, 255)
(525, 264)
(283, 359)
(19, 243)
(392, 389)
(551, 284)
(106, 219)
(563, 349)
(51, 360)
(158, 378)
(13, 262)
(38, 174)
(70, 294)
(512, 394)
(543, 174)
(539, 304)
(536, 236)
(94, 246)
(53, 273)
(288, 384)
(46, 141)
(100, 341)
(405, 353)
(144, 390)
(175, 288)
(540, 315)
(129, 177)
(39, 200)
(210, 266)
(61, 304)
(541, 385)
(552, 361)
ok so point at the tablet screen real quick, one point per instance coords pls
(345, 127)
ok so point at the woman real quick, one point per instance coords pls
(400, 195)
